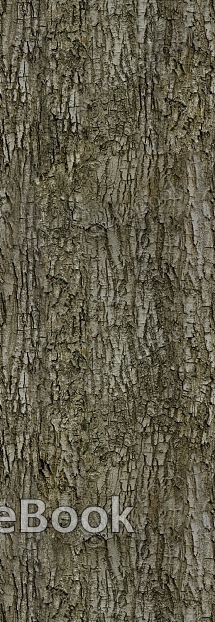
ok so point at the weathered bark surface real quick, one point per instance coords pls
(107, 305)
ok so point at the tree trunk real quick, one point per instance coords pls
(107, 306)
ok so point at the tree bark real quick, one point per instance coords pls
(107, 306)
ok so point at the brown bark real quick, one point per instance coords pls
(107, 305)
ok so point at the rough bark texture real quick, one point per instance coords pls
(107, 305)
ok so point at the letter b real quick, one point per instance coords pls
(25, 515)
